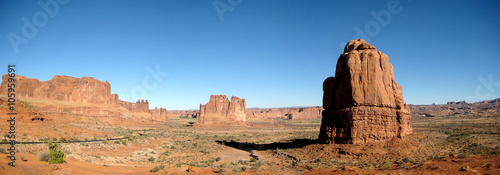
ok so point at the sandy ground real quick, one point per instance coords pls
(446, 145)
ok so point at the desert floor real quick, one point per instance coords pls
(439, 145)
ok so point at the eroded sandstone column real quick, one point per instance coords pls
(363, 103)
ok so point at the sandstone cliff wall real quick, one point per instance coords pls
(65, 88)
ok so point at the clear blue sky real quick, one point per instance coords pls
(272, 53)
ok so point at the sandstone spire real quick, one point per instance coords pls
(363, 103)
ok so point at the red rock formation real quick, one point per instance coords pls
(363, 103)
(305, 113)
(219, 110)
(65, 88)
(182, 113)
(292, 113)
(456, 103)
(159, 114)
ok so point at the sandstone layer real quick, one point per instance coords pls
(83, 96)
(292, 113)
(182, 113)
(363, 103)
(219, 110)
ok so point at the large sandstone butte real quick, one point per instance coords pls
(363, 103)
(219, 110)
(85, 90)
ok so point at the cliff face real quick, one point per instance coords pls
(65, 88)
(363, 102)
(219, 110)
(159, 114)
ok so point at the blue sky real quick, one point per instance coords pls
(272, 53)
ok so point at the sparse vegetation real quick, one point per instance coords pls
(387, 165)
(157, 168)
(44, 157)
(56, 155)
(151, 159)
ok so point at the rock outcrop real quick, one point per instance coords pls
(363, 103)
(85, 90)
(219, 110)
(456, 103)
(292, 113)
(64, 88)
(171, 114)
(159, 114)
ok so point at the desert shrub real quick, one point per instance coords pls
(105, 141)
(55, 153)
(478, 149)
(387, 164)
(151, 159)
(2, 150)
(157, 168)
(62, 139)
(4, 140)
(124, 142)
(23, 159)
(309, 167)
(44, 157)
(117, 142)
(223, 165)
(318, 160)
(253, 160)
(256, 166)
(217, 159)
(402, 165)
(172, 147)
(406, 160)
(54, 139)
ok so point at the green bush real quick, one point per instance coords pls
(4, 140)
(55, 153)
(309, 167)
(151, 159)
